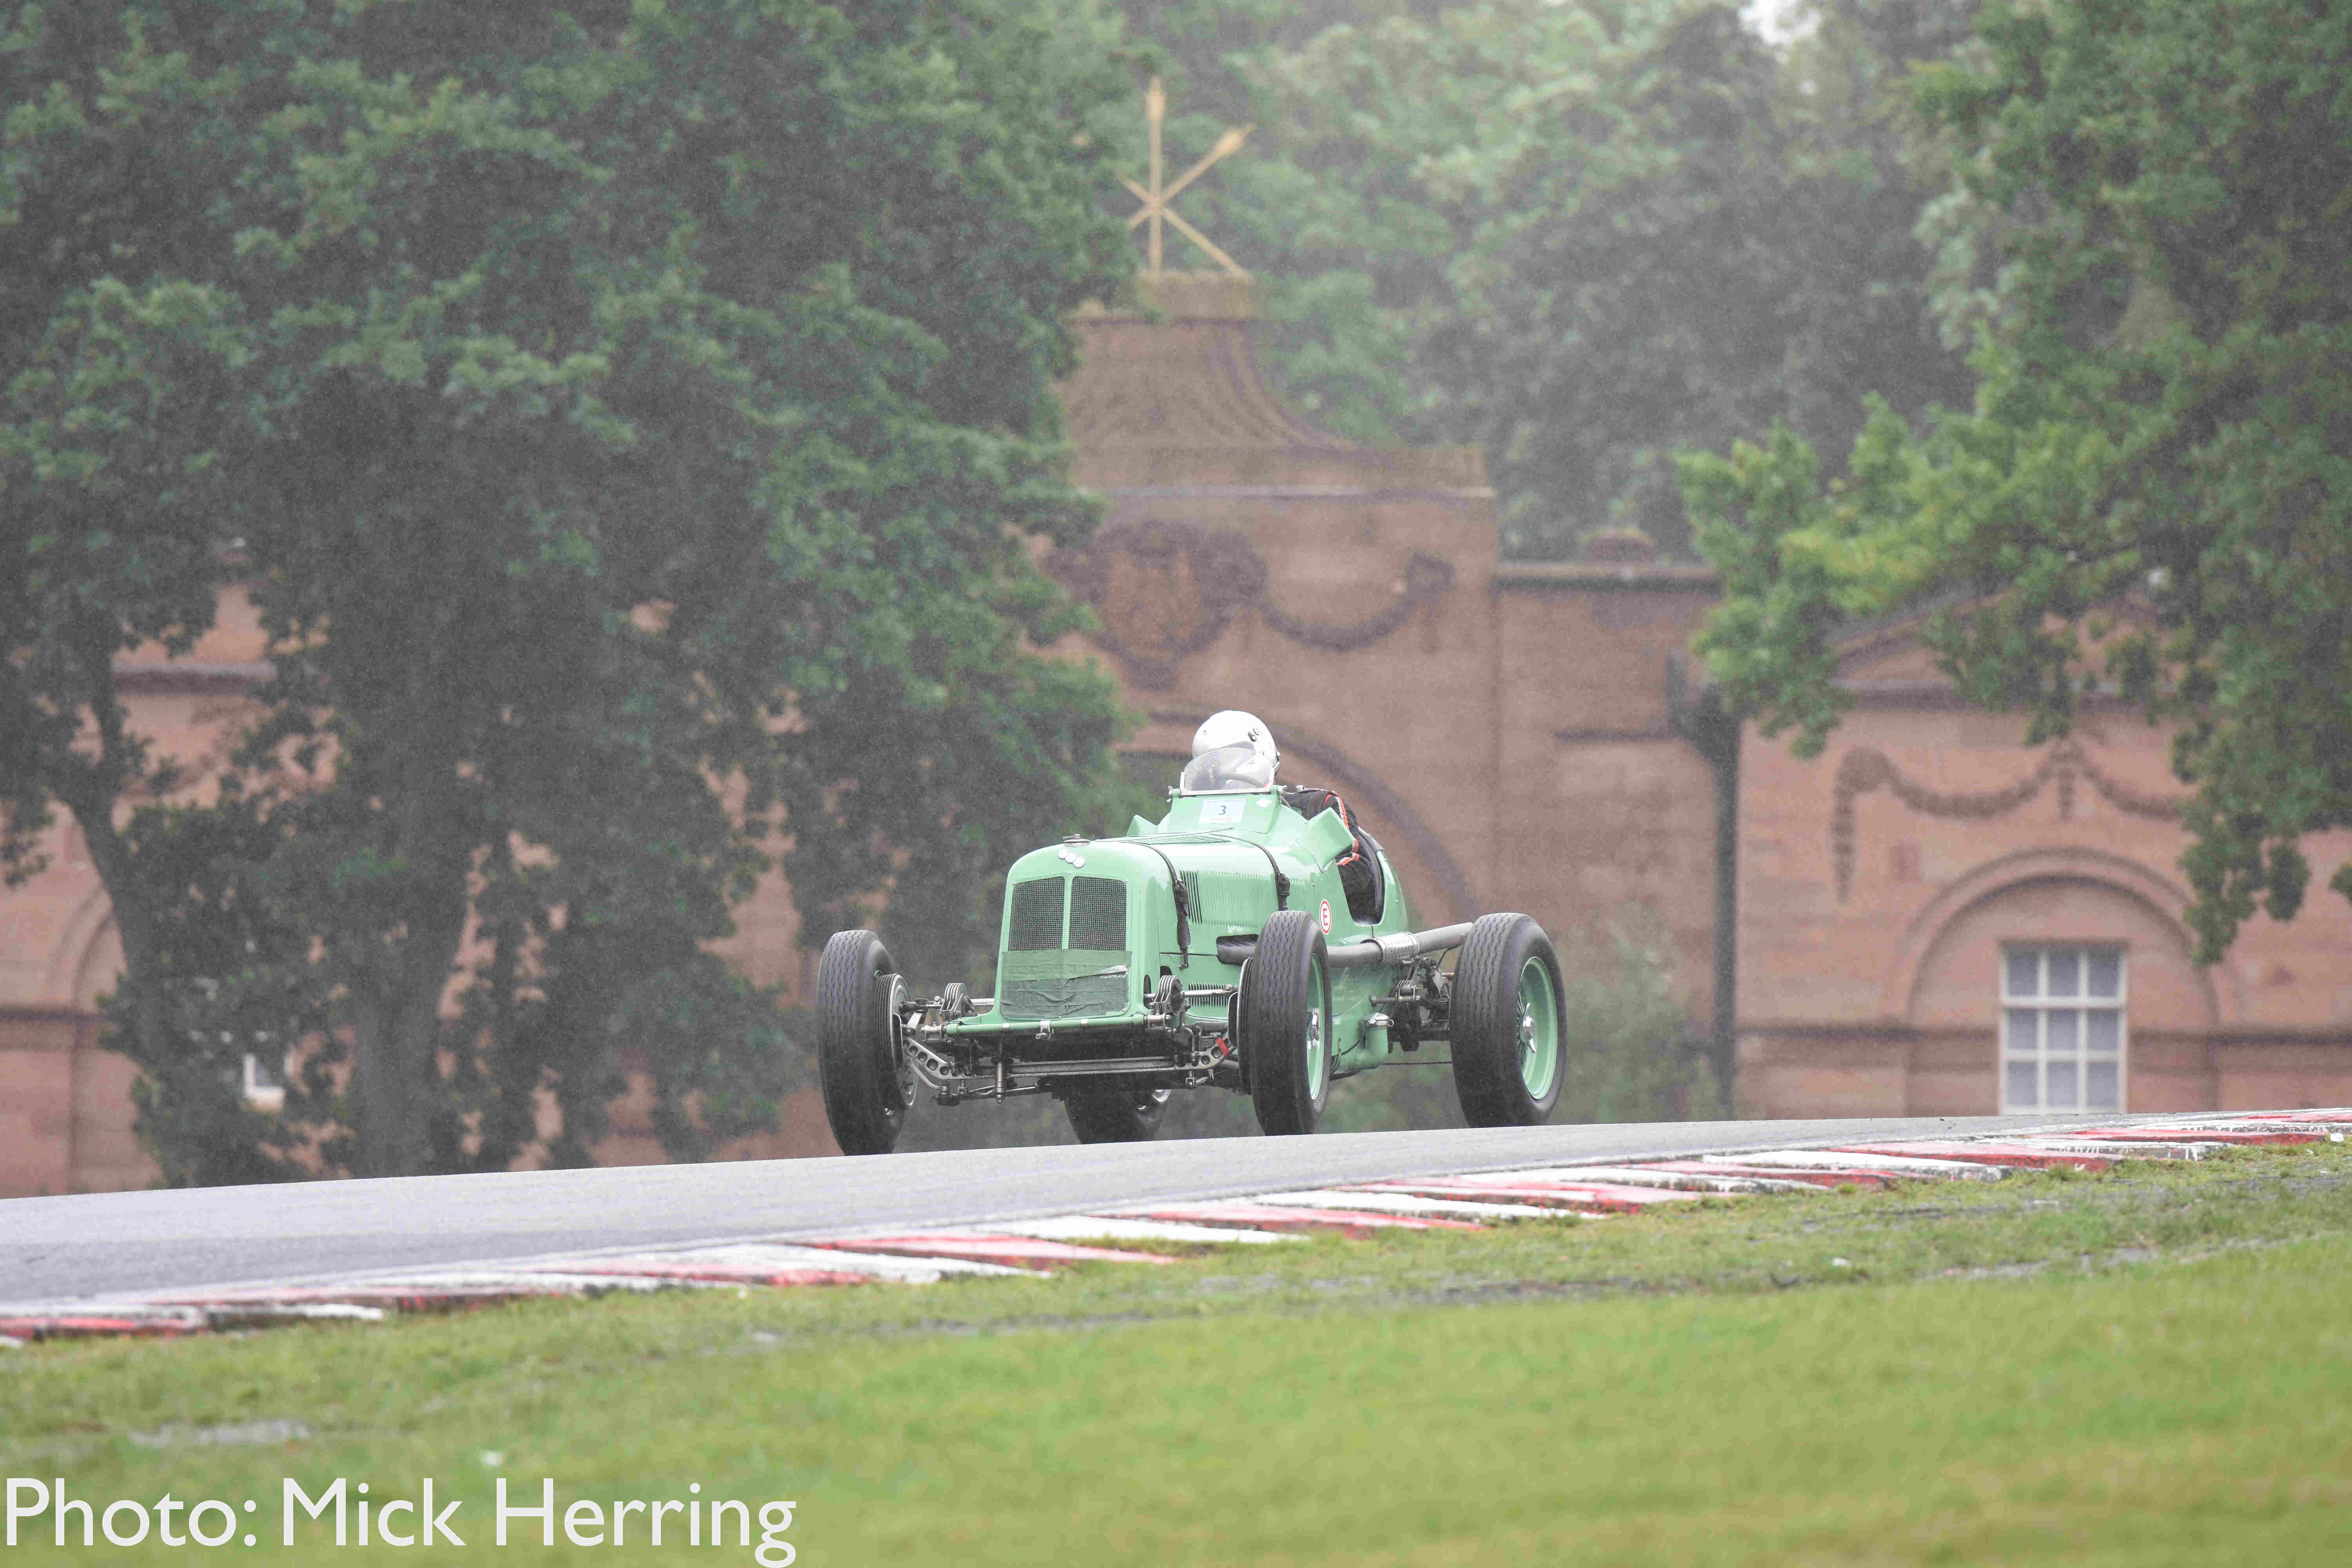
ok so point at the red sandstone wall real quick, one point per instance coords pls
(1516, 720)
(1412, 712)
(1869, 936)
(1603, 806)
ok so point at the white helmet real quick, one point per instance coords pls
(1231, 751)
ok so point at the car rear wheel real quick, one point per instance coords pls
(861, 1061)
(1115, 1115)
(1283, 1016)
(1506, 1015)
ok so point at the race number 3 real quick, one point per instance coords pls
(1326, 917)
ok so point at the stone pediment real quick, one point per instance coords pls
(1187, 378)
(1172, 394)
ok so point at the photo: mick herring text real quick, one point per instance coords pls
(359, 1513)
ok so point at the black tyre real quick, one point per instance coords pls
(1116, 1115)
(860, 1060)
(1284, 1021)
(1509, 1057)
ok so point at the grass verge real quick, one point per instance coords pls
(2147, 1366)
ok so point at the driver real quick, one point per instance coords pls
(1235, 750)
(1231, 751)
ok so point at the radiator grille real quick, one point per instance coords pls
(1098, 914)
(1036, 923)
(1085, 995)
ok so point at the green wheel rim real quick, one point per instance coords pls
(1538, 1029)
(1318, 1059)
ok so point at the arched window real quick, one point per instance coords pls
(2054, 981)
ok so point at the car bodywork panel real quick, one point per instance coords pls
(1121, 955)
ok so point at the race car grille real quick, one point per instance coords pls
(1037, 922)
(1098, 914)
(1085, 995)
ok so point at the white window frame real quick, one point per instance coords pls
(2041, 1005)
(261, 1096)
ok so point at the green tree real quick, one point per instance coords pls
(2148, 239)
(108, 531)
(631, 419)
(1578, 235)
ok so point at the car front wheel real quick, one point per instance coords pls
(861, 1061)
(1284, 1020)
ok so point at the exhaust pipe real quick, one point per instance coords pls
(1399, 949)
(1402, 948)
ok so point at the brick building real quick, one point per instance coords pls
(1930, 917)
(1936, 917)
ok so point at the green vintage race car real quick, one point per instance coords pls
(1213, 949)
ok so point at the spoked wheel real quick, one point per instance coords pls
(1116, 1115)
(1284, 1022)
(861, 1059)
(1507, 991)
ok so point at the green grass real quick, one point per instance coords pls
(2151, 1366)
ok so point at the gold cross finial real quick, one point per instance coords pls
(1156, 198)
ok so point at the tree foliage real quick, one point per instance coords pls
(1580, 235)
(629, 419)
(2149, 238)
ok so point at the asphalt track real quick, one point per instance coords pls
(61, 1249)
